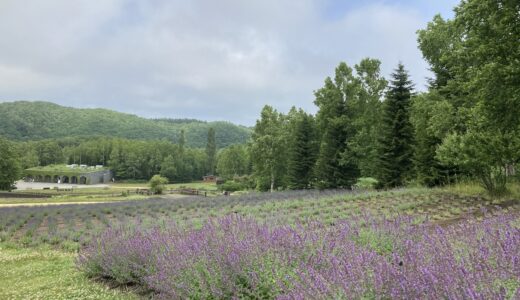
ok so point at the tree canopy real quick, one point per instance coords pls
(9, 165)
(24, 120)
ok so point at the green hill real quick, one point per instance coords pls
(24, 120)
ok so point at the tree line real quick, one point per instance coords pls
(128, 159)
(466, 124)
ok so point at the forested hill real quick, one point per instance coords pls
(23, 120)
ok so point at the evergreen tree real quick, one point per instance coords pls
(211, 152)
(301, 150)
(9, 165)
(396, 152)
(335, 166)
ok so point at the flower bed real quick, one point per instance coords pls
(364, 257)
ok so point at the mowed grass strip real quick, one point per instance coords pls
(48, 274)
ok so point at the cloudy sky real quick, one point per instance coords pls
(204, 59)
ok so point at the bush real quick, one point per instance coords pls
(247, 180)
(232, 186)
(157, 184)
(366, 183)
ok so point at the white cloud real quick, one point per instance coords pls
(203, 59)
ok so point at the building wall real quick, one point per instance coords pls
(104, 176)
(99, 177)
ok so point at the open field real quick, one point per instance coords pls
(69, 228)
(97, 193)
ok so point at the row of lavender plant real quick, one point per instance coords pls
(366, 257)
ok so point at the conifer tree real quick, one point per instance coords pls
(335, 166)
(301, 150)
(396, 143)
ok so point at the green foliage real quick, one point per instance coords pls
(485, 154)
(10, 170)
(157, 184)
(268, 149)
(232, 186)
(169, 168)
(233, 161)
(432, 118)
(335, 165)
(211, 152)
(129, 159)
(366, 183)
(476, 61)
(24, 120)
(302, 149)
(396, 142)
(341, 143)
(367, 115)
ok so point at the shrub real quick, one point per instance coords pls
(157, 184)
(366, 183)
(232, 186)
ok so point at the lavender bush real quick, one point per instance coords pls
(365, 257)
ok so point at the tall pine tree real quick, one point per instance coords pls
(396, 143)
(302, 150)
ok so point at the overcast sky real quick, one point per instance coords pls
(203, 59)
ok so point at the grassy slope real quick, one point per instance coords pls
(23, 120)
(48, 274)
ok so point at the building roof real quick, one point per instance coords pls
(64, 170)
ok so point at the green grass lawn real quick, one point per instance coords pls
(43, 273)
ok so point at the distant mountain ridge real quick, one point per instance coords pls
(35, 120)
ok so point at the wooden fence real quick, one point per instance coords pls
(23, 195)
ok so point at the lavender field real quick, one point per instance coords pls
(361, 258)
(70, 226)
(400, 244)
